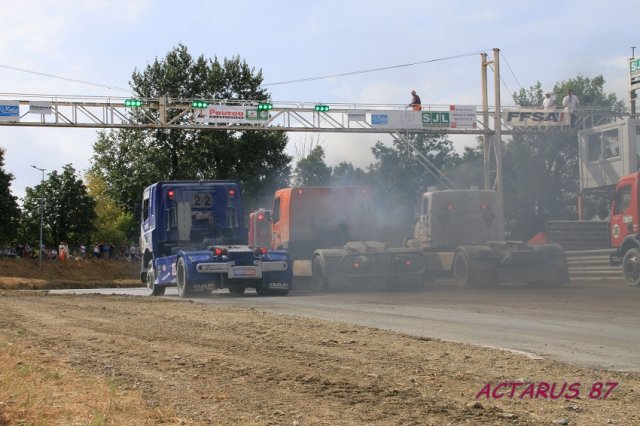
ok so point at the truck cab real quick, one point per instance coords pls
(623, 228)
(193, 236)
(447, 219)
(310, 218)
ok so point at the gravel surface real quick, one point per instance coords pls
(225, 364)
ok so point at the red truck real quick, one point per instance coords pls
(623, 228)
(260, 228)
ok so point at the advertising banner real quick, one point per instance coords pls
(222, 114)
(463, 116)
(40, 107)
(458, 117)
(521, 117)
(9, 111)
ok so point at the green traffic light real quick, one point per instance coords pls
(132, 103)
(322, 108)
(265, 106)
(199, 104)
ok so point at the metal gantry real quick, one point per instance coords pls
(168, 113)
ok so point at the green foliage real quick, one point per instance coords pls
(399, 176)
(589, 91)
(69, 211)
(9, 211)
(312, 169)
(468, 169)
(129, 160)
(113, 224)
(345, 174)
(540, 182)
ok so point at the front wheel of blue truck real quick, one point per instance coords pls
(184, 287)
(154, 290)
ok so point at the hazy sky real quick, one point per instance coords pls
(103, 42)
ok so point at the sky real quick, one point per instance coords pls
(93, 47)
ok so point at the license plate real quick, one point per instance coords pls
(279, 285)
(243, 272)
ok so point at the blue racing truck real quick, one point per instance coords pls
(193, 236)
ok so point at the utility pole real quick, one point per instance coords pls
(492, 144)
(632, 90)
(497, 120)
(486, 139)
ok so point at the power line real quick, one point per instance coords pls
(373, 69)
(65, 78)
(509, 66)
(514, 76)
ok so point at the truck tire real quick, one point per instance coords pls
(631, 267)
(269, 292)
(236, 289)
(154, 290)
(184, 286)
(319, 277)
(468, 272)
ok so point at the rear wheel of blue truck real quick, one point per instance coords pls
(154, 290)
(184, 287)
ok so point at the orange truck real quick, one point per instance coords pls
(330, 234)
(623, 228)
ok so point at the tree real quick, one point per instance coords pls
(400, 171)
(398, 175)
(541, 177)
(69, 211)
(129, 160)
(468, 170)
(345, 174)
(312, 170)
(113, 224)
(9, 210)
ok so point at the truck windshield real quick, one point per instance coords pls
(205, 216)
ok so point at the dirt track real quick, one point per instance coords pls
(213, 364)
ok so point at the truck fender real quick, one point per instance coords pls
(477, 252)
(630, 241)
(144, 264)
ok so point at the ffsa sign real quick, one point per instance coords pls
(534, 117)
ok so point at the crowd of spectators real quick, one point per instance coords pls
(63, 252)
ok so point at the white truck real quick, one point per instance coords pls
(461, 233)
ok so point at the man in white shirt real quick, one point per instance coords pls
(571, 103)
(549, 100)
